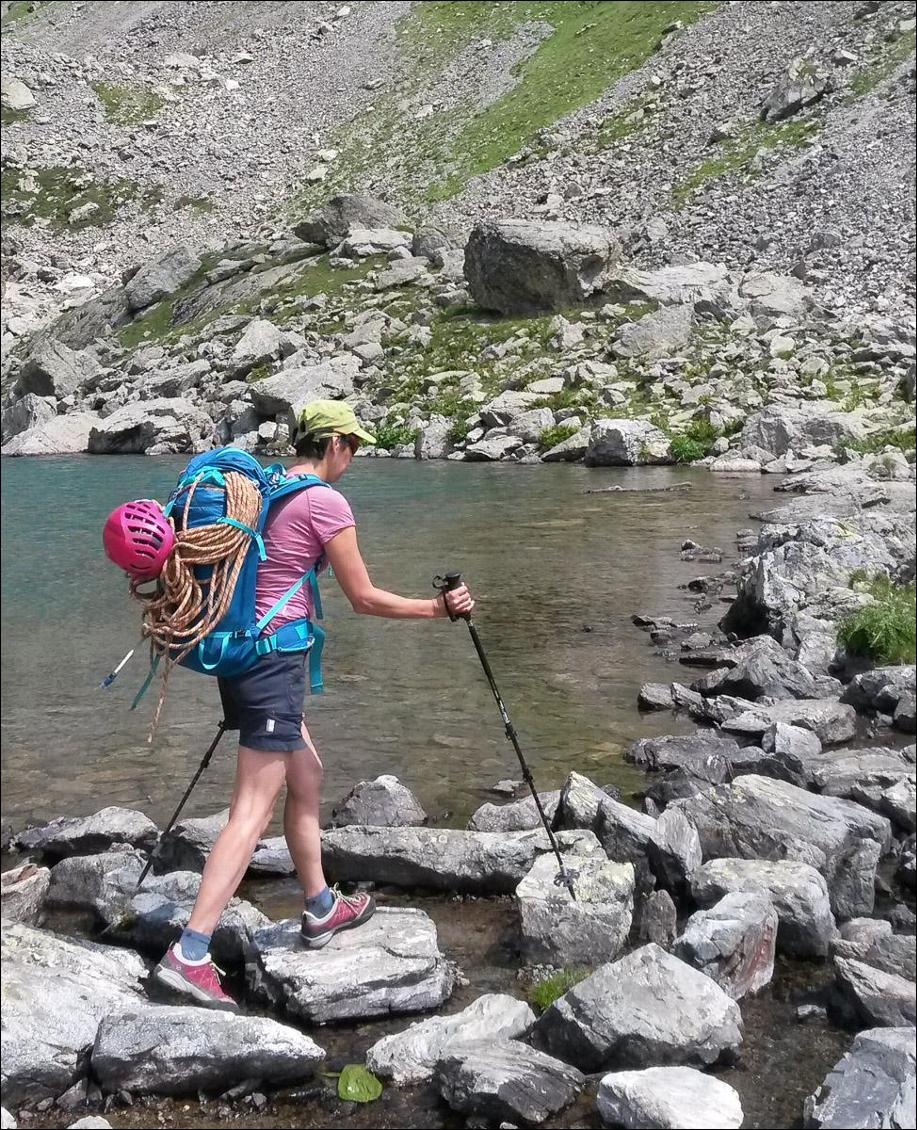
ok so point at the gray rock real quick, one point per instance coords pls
(402, 272)
(706, 287)
(666, 1097)
(658, 919)
(411, 1056)
(161, 277)
(772, 295)
(517, 816)
(187, 845)
(176, 382)
(55, 994)
(569, 450)
(674, 851)
(875, 944)
(905, 718)
(363, 242)
(54, 369)
(383, 803)
(391, 965)
(504, 410)
(523, 266)
(760, 818)
(868, 1084)
(262, 342)
(662, 333)
(786, 742)
(882, 688)
(831, 721)
(626, 443)
(61, 435)
(434, 439)
(437, 858)
(90, 1122)
(84, 835)
(560, 931)
(7, 1122)
(183, 1050)
(15, 95)
(708, 756)
(95, 883)
(655, 696)
(648, 1008)
(344, 214)
(290, 389)
(22, 893)
(879, 999)
(625, 834)
(801, 84)
(506, 1080)
(781, 428)
(29, 411)
(579, 803)
(166, 426)
(806, 926)
(760, 668)
(272, 857)
(733, 942)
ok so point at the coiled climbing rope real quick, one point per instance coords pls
(182, 610)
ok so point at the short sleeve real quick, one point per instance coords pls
(330, 513)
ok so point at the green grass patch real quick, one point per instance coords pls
(695, 442)
(195, 203)
(9, 116)
(545, 992)
(867, 78)
(389, 436)
(54, 192)
(127, 105)
(905, 439)
(885, 630)
(735, 155)
(21, 10)
(551, 437)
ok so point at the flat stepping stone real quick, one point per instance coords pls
(506, 1080)
(411, 1056)
(390, 965)
(671, 1098)
(83, 835)
(181, 1050)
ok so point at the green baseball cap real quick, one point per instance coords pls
(322, 418)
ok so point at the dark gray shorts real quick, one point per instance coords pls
(265, 704)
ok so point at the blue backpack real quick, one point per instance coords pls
(237, 643)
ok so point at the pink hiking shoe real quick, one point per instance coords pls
(196, 980)
(346, 912)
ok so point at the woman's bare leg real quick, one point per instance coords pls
(300, 815)
(259, 778)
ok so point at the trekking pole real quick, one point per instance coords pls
(221, 730)
(447, 583)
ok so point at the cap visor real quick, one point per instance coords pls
(362, 435)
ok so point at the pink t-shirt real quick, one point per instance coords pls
(297, 530)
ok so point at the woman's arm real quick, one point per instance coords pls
(345, 559)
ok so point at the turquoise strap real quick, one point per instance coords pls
(145, 685)
(316, 596)
(280, 604)
(316, 685)
(251, 533)
(208, 475)
(226, 636)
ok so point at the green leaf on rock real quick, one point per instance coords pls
(358, 1085)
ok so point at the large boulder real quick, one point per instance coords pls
(15, 95)
(589, 929)
(761, 818)
(288, 390)
(502, 1081)
(831, 721)
(877, 999)
(59, 435)
(733, 942)
(262, 342)
(674, 851)
(434, 439)
(382, 803)
(55, 994)
(801, 84)
(54, 369)
(161, 277)
(22, 893)
(648, 1008)
(707, 287)
(187, 844)
(774, 296)
(83, 835)
(517, 816)
(411, 1056)
(662, 333)
(391, 965)
(806, 925)
(666, 1097)
(167, 426)
(882, 688)
(524, 266)
(437, 858)
(781, 428)
(627, 443)
(182, 1050)
(347, 213)
(871, 940)
(872, 1085)
(28, 412)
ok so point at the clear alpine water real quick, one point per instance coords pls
(557, 574)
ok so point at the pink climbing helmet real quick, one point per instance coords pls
(138, 537)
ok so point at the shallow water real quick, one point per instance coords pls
(557, 574)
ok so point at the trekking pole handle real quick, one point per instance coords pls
(447, 583)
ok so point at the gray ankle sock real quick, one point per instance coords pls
(320, 903)
(193, 944)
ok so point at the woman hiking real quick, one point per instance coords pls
(266, 705)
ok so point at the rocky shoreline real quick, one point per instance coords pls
(774, 847)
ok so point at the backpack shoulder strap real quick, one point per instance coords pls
(285, 486)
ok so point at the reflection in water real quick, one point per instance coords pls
(556, 573)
